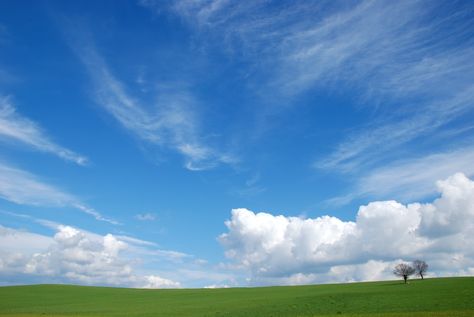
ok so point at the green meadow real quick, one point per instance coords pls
(430, 297)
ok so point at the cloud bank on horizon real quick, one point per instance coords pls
(271, 249)
(129, 130)
(71, 256)
(293, 250)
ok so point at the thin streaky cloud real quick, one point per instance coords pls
(94, 213)
(24, 188)
(146, 217)
(364, 148)
(410, 179)
(56, 225)
(15, 127)
(136, 241)
(430, 80)
(396, 54)
(170, 122)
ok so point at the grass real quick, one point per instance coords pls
(439, 297)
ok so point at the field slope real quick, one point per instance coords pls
(430, 297)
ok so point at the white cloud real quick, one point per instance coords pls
(292, 250)
(16, 128)
(368, 271)
(148, 262)
(146, 217)
(73, 256)
(449, 213)
(171, 120)
(404, 67)
(251, 187)
(212, 286)
(317, 44)
(411, 178)
(91, 211)
(23, 188)
(135, 241)
(154, 281)
(377, 141)
(23, 241)
(408, 60)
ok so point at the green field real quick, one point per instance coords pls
(430, 297)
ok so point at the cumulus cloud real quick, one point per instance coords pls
(293, 250)
(212, 286)
(72, 256)
(154, 281)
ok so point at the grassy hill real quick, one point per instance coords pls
(430, 297)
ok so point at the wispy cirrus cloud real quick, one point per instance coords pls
(15, 127)
(171, 120)
(23, 188)
(56, 226)
(410, 61)
(380, 47)
(373, 142)
(412, 178)
(251, 188)
(410, 68)
(146, 217)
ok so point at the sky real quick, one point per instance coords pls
(217, 143)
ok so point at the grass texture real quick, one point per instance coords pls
(440, 297)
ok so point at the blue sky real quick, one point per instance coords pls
(206, 143)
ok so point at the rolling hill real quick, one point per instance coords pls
(429, 297)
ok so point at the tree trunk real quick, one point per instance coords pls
(405, 278)
(421, 275)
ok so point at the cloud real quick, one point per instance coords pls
(16, 128)
(74, 256)
(26, 242)
(407, 61)
(410, 179)
(213, 286)
(251, 188)
(154, 281)
(171, 120)
(368, 271)
(377, 141)
(131, 241)
(146, 217)
(23, 188)
(135, 241)
(292, 250)
(315, 44)
(418, 81)
(148, 262)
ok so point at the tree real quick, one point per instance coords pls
(403, 270)
(420, 267)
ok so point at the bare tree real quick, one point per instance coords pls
(420, 267)
(403, 270)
